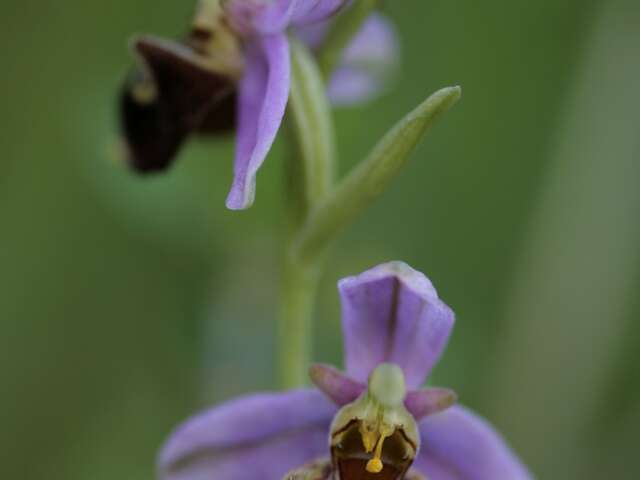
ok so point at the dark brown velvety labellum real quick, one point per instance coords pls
(172, 96)
(323, 470)
(180, 88)
(350, 457)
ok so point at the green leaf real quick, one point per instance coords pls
(372, 176)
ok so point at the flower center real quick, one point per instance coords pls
(376, 435)
(386, 387)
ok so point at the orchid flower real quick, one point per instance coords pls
(372, 422)
(235, 68)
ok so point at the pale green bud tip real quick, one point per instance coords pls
(386, 385)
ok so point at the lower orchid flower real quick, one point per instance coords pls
(372, 422)
(234, 68)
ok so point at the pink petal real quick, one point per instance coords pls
(335, 384)
(429, 401)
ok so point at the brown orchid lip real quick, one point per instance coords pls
(179, 88)
(322, 469)
(389, 459)
(157, 115)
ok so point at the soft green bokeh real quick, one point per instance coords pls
(126, 304)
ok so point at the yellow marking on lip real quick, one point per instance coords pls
(375, 464)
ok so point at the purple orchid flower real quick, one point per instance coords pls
(234, 67)
(392, 318)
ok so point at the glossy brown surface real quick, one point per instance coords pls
(323, 470)
(350, 457)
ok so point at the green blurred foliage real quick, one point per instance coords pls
(127, 303)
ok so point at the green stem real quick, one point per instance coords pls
(310, 115)
(299, 287)
(311, 172)
(310, 179)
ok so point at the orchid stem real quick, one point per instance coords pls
(310, 179)
(299, 286)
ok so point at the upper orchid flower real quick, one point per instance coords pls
(234, 67)
(379, 424)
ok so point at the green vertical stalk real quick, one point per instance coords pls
(310, 173)
(298, 292)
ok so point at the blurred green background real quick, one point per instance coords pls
(127, 303)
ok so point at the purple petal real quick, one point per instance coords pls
(459, 445)
(393, 314)
(311, 11)
(276, 17)
(264, 17)
(429, 401)
(258, 436)
(262, 99)
(259, 17)
(335, 384)
(367, 63)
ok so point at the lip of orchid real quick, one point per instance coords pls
(156, 116)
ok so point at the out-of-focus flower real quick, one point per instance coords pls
(395, 329)
(234, 69)
(366, 65)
